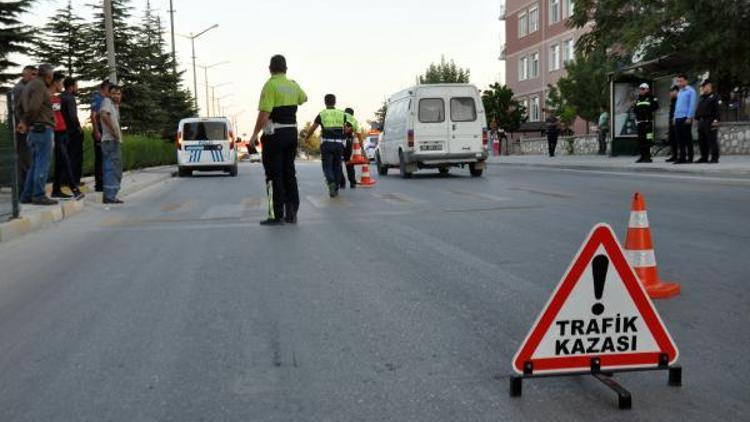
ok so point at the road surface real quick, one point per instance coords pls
(405, 302)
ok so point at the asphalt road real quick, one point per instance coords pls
(405, 302)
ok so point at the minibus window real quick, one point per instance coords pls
(431, 110)
(463, 109)
(204, 131)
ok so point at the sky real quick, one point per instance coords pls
(362, 51)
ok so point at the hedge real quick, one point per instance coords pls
(137, 152)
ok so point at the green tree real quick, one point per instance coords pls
(309, 146)
(444, 72)
(711, 34)
(500, 106)
(60, 42)
(96, 46)
(14, 36)
(584, 91)
(379, 121)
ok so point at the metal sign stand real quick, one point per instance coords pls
(624, 398)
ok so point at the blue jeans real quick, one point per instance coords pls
(40, 144)
(111, 168)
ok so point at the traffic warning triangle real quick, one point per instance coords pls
(598, 312)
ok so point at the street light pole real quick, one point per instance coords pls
(205, 74)
(171, 25)
(192, 38)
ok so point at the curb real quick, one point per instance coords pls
(675, 172)
(65, 209)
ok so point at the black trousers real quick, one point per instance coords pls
(279, 153)
(603, 141)
(673, 145)
(684, 132)
(350, 172)
(23, 160)
(552, 144)
(98, 174)
(330, 157)
(75, 152)
(708, 140)
(63, 169)
(645, 139)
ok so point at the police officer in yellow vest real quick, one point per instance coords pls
(277, 118)
(332, 140)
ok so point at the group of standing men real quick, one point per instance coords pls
(277, 120)
(685, 107)
(47, 125)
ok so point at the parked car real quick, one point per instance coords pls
(434, 127)
(206, 144)
(371, 144)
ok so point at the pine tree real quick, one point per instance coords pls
(61, 42)
(444, 72)
(96, 45)
(14, 36)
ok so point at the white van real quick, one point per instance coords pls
(434, 126)
(206, 144)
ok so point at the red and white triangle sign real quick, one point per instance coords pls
(598, 310)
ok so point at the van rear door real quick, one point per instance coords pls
(465, 126)
(207, 142)
(431, 127)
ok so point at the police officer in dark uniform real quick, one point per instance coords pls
(645, 107)
(277, 118)
(708, 114)
(348, 149)
(673, 145)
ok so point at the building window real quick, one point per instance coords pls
(554, 58)
(534, 65)
(554, 11)
(525, 105)
(569, 8)
(523, 68)
(533, 19)
(523, 24)
(568, 50)
(535, 112)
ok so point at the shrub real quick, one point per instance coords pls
(138, 152)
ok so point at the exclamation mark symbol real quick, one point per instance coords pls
(599, 267)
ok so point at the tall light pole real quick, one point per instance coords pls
(213, 93)
(110, 41)
(171, 30)
(205, 74)
(192, 38)
(218, 101)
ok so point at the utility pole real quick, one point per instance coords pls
(171, 25)
(110, 35)
(192, 38)
(205, 75)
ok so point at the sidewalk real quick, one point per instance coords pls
(731, 166)
(36, 217)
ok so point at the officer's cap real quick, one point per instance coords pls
(644, 86)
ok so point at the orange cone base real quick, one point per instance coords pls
(663, 290)
(366, 184)
(358, 161)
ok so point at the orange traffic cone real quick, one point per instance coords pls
(367, 181)
(357, 157)
(639, 250)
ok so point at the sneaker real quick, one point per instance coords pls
(640, 160)
(272, 222)
(112, 201)
(333, 190)
(78, 195)
(43, 200)
(61, 195)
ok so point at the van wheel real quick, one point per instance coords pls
(402, 166)
(182, 172)
(444, 170)
(475, 172)
(382, 170)
(233, 171)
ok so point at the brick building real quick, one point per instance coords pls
(538, 43)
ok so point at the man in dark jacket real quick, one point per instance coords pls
(23, 152)
(645, 107)
(73, 125)
(552, 129)
(708, 114)
(673, 145)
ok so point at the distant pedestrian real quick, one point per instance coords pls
(96, 124)
(73, 125)
(23, 152)
(38, 121)
(552, 129)
(111, 145)
(684, 112)
(708, 115)
(63, 168)
(645, 107)
(673, 144)
(603, 131)
(348, 150)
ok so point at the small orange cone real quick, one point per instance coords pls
(639, 250)
(367, 181)
(357, 157)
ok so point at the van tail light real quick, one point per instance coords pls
(231, 140)
(485, 137)
(410, 138)
(178, 141)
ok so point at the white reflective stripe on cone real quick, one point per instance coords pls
(641, 258)
(638, 220)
